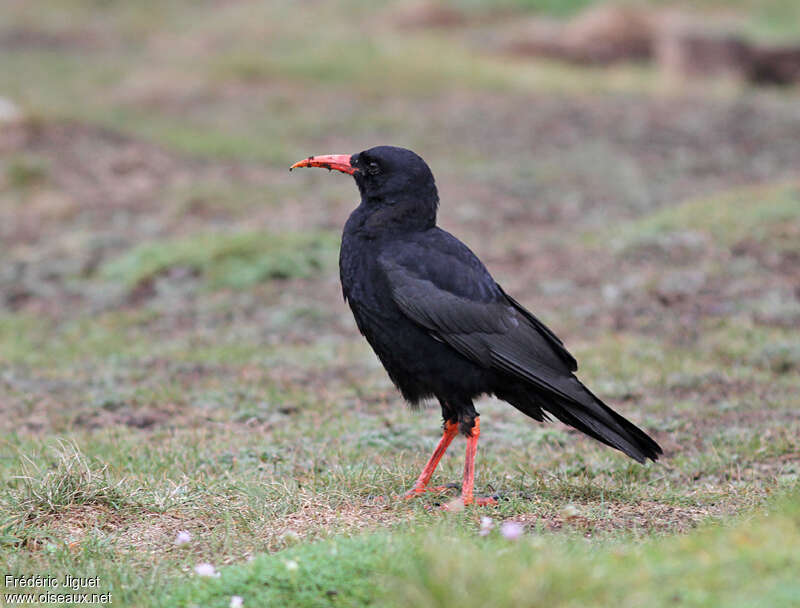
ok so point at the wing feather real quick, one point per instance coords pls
(488, 327)
(440, 285)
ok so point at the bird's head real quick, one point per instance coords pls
(396, 185)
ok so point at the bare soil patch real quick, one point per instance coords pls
(641, 518)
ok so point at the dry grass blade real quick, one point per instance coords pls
(68, 479)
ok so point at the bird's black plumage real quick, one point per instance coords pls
(441, 325)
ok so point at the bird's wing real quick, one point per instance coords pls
(440, 284)
(554, 340)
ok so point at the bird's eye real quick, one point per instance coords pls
(373, 168)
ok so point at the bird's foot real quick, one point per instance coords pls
(414, 492)
(419, 491)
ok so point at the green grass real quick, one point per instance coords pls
(548, 7)
(227, 260)
(25, 172)
(344, 572)
(66, 480)
(175, 353)
(711, 567)
(745, 563)
(752, 213)
(769, 19)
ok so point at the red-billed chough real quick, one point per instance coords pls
(441, 325)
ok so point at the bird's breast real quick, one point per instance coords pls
(418, 363)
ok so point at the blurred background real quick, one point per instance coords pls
(169, 295)
(128, 128)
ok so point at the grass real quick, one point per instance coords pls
(336, 573)
(175, 354)
(369, 70)
(754, 213)
(547, 7)
(770, 19)
(446, 567)
(237, 260)
(690, 570)
(69, 481)
(25, 172)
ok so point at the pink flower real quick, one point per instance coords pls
(486, 526)
(205, 569)
(183, 537)
(511, 530)
(236, 601)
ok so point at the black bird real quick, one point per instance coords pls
(441, 325)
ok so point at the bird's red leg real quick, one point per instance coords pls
(420, 487)
(469, 469)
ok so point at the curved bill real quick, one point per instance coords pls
(340, 162)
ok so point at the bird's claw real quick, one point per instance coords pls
(414, 492)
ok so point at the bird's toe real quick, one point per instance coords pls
(419, 491)
(414, 492)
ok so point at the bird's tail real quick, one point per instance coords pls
(584, 411)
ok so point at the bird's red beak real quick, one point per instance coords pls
(340, 162)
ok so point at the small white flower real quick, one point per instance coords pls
(455, 505)
(292, 565)
(236, 601)
(205, 569)
(486, 526)
(511, 530)
(183, 537)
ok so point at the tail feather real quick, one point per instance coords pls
(585, 412)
